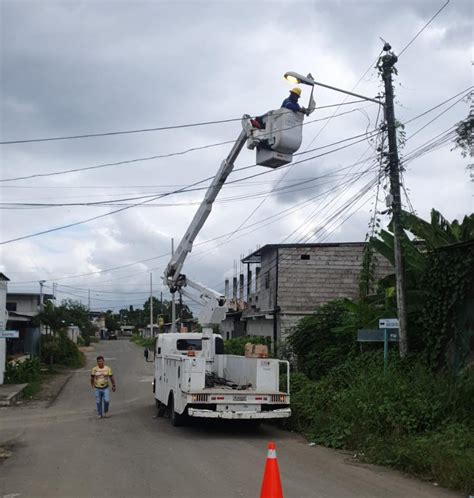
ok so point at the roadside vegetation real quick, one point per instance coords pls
(57, 351)
(416, 413)
(144, 342)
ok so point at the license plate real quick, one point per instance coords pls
(240, 398)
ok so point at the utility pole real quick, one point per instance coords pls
(180, 311)
(89, 299)
(173, 302)
(388, 63)
(54, 294)
(41, 282)
(151, 304)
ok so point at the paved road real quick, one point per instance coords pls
(64, 451)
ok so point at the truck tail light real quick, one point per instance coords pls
(278, 398)
(200, 398)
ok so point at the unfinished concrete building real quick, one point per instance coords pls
(286, 282)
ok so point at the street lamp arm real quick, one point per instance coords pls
(296, 78)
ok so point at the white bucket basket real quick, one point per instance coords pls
(280, 138)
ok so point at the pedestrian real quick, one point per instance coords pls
(145, 354)
(101, 377)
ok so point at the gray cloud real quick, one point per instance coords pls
(78, 67)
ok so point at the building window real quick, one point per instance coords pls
(267, 280)
(11, 306)
(305, 256)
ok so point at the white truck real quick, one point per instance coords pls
(196, 381)
(193, 377)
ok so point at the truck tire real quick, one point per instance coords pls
(160, 408)
(176, 419)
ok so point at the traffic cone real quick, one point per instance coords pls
(271, 484)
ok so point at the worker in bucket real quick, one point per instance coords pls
(291, 103)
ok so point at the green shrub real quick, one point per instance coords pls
(23, 372)
(321, 342)
(393, 417)
(60, 350)
(237, 345)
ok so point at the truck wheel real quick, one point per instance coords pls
(160, 409)
(176, 419)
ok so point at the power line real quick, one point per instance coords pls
(197, 244)
(411, 157)
(193, 149)
(154, 157)
(70, 225)
(142, 130)
(423, 28)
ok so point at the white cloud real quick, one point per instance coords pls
(79, 67)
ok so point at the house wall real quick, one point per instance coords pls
(331, 272)
(261, 326)
(232, 327)
(327, 272)
(25, 304)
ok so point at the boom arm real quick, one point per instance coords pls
(173, 277)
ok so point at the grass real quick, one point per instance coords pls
(32, 389)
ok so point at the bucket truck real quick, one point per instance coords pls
(193, 377)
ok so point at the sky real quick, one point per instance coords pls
(85, 67)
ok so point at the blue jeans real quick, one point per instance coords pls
(102, 394)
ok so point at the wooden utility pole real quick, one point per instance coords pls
(151, 305)
(389, 60)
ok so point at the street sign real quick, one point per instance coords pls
(376, 335)
(9, 334)
(389, 323)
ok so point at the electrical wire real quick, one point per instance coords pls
(70, 225)
(142, 130)
(423, 28)
(154, 157)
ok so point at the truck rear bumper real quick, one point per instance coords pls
(241, 415)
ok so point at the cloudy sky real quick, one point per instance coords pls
(87, 67)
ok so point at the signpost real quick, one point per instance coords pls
(9, 334)
(388, 331)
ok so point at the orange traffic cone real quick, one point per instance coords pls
(271, 484)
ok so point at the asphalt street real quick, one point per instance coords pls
(65, 451)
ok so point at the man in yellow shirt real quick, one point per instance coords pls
(101, 377)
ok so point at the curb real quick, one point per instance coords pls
(14, 396)
(59, 391)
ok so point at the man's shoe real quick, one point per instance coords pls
(106, 415)
(99, 416)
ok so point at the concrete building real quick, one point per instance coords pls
(22, 307)
(286, 282)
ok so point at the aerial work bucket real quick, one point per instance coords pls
(278, 139)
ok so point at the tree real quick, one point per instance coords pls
(321, 341)
(112, 321)
(464, 135)
(69, 313)
(439, 277)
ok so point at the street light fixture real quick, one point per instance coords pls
(297, 78)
